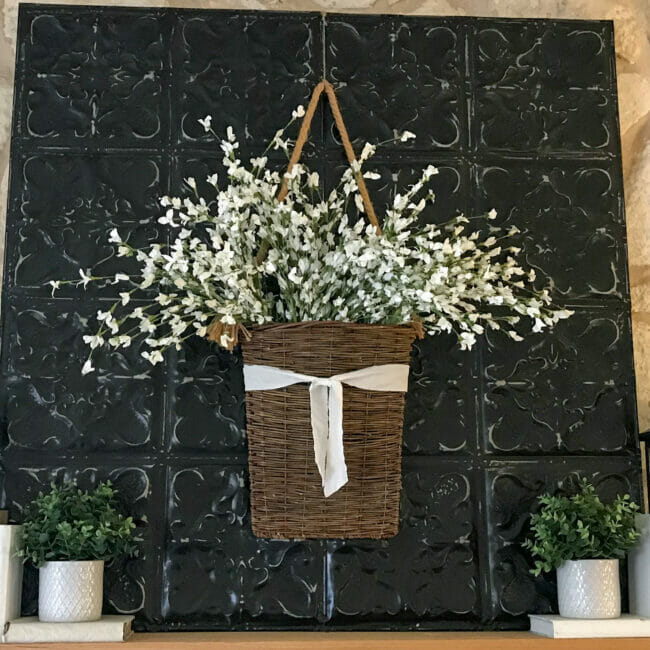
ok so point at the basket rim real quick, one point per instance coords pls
(329, 323)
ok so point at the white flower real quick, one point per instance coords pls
(87, 367)
(146, 326)
(467, 340)
(55, 284)
(429, 172)
(406, 135)
(278, 142)
(538, 325)
(212, 179)
(260, 162)
(206, 122)
(85, 277)
(153, 357)
(492, 214)
(367, 151)
(126, 297)
(93, 341)
(299, 112)
(114, 237)
(191, 182)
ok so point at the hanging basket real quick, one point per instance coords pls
(288, 475)
(287, 498)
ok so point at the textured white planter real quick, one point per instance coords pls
(638, 569)
(69, 592)
(589, 589)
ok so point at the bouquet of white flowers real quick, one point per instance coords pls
(320, 261)
(320, 297)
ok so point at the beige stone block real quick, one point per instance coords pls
(630, 30)
(637, 193)
(6, 96)
(634, 99)
(641, 329)
(9, 20)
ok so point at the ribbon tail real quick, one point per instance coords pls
(336, 471)
(319, 424)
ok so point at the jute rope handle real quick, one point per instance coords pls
(303, 134)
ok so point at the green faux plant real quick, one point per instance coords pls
(68, 523)
(580, 527)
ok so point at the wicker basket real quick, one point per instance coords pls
(286, 493)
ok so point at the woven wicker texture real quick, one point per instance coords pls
(286, 493)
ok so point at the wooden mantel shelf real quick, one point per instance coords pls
(346, 641)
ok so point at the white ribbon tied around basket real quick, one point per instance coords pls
(326, 403)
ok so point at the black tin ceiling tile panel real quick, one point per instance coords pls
(206, 402)
(95, 78)
(396, 73)
(543, 87)
(443, 379)
(553, 54)
(56, 232)
(243, 68)
(214, 566)
(568, 392)
(51, 407)
(409, 576)
(565, 121)
(517, 115)
(571, 220)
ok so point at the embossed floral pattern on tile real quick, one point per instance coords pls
(68, 205)
(369, 579)
(51, 406)
(555, 395)
(520, 53)
(569, 215)
(95, 89)
(260, 579)
(244, 70)
(397, 73)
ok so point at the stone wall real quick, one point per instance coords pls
(632, 25)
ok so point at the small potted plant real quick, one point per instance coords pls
(68, 534)
(583, 538)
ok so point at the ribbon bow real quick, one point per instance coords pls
(326, 403)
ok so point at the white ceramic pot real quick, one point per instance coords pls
(638, 569)
(589, 589)
(69, 592)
